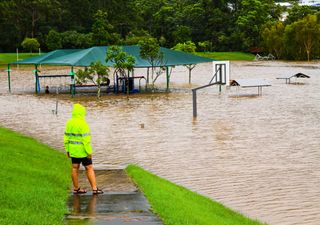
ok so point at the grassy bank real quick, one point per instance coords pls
(34, 181)
(227, 55)
(176, 205)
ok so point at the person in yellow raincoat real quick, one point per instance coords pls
(77, 144)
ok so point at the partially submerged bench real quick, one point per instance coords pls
(297, 75)
(247, 83)
(90, 87)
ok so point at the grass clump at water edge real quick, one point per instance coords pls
(34, 181)
(177, 205)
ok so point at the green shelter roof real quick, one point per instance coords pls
(84, 57)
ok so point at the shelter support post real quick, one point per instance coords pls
(190, 68)
(37, 83)
(9, 78)
(194, 101)
(148, 73)
(73, 86)
(168, 77)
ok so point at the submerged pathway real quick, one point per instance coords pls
(120, 204)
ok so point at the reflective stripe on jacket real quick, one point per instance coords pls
(77, 134)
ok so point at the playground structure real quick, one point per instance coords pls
(85, 57)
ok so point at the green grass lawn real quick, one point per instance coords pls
(6, 58)
(227, 55)
(34, 181)
(177, 205)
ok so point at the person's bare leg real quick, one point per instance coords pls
(91, 177)
(75, 179)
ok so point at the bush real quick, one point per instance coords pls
(30, 44)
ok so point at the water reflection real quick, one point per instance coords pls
(87, 208)
(257, 155)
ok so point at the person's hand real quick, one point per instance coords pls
(89, 156)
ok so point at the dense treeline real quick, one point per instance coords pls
(213, 25)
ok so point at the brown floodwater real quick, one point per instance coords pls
(257, 155)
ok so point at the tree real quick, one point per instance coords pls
(298, 12)
(182, 34)
(150, 50)
(122, 62)
(304, 34)
(102, 31)
(73, 39)
(54, 40)
(135, 36)
(30, 44)
(250, 17)
(96, 73)
(204, 46)
(273, 39)
(188, 46)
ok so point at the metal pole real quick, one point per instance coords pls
(37, 79)
(73, 89)
(189, 68)
(168, 77)
(9, 78)
(194, 101)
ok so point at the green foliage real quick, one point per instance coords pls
(302, 37)
(54, 40)
(234, 25)
(122, 61)
(204, 46)
(150, 50)
(188, 46)
(102, 30)
(96, 73)
(298, 12)
(73, 39)
(251, 16)
(178, 205)
(182, 34)
(34, 179)
(30, 44)
(273, 39)
(135, 36)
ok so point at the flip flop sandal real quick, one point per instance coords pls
(96, 192)
(79, 191)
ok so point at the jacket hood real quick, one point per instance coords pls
(78, 111)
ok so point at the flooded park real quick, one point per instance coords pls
(259, 155)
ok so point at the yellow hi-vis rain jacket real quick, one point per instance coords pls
(77, 134)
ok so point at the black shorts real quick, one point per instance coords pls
(85, 161)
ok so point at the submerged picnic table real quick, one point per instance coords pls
(245, 83)
(297, 75)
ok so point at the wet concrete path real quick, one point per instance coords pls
(120, 204)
